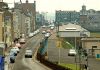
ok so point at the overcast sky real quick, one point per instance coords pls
(52, 5)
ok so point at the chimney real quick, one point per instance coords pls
(26, 1)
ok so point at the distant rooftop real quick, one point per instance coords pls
(71, 27)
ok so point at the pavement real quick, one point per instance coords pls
(7, 58)
(7, 61)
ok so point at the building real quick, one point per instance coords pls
(73, 30)
(92, 45)
(89, 19)
(66, 16)
(1, 26)
(72, 34)
(40, 20)
(6, 24)
(22, 9)
(2, 8)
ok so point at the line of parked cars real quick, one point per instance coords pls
(13, 53)
(16, 49)
(34, 33)
(46, 33)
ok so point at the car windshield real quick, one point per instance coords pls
(72, 50)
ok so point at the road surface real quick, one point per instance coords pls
(23, 63)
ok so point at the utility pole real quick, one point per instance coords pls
(12, 28)
(21, 12)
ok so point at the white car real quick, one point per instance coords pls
(12, 56)
(15, 50)
(72, 52)
(38, 30)
(28, 53)
(52, 28)
(31, 34)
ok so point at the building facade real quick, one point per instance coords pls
(92, 45)
(24, 10)
(6, 24)
(40, 20)
(1, 26)
(89, 19)
(66, 16)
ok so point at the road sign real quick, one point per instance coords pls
(58, 44)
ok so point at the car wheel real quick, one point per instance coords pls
(12, 60)
(30, 56)
(68, 54)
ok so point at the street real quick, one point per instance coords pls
(23, 63)
(45, 34)
(53, 55)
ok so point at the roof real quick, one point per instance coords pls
(26, 7)
(72, 27)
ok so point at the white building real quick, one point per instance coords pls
(73, 30)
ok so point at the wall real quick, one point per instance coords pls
(88, 45)
(1, 24)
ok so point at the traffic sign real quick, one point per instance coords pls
(58, 44)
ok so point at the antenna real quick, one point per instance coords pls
(84, 2)
(20, 1)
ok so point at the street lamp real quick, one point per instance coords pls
(85, 53)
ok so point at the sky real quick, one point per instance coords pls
(69, 5)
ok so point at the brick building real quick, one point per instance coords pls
(23, 8)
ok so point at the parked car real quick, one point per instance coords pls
(38, 30)
(12, 57)
(43, 26)
(72, 52)
(22, 41)
(43, 32)
(18, 45)
(28, 53)
(52, 28)
(48, 31)
(47, 34)
(31, 34)
(15, 50)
